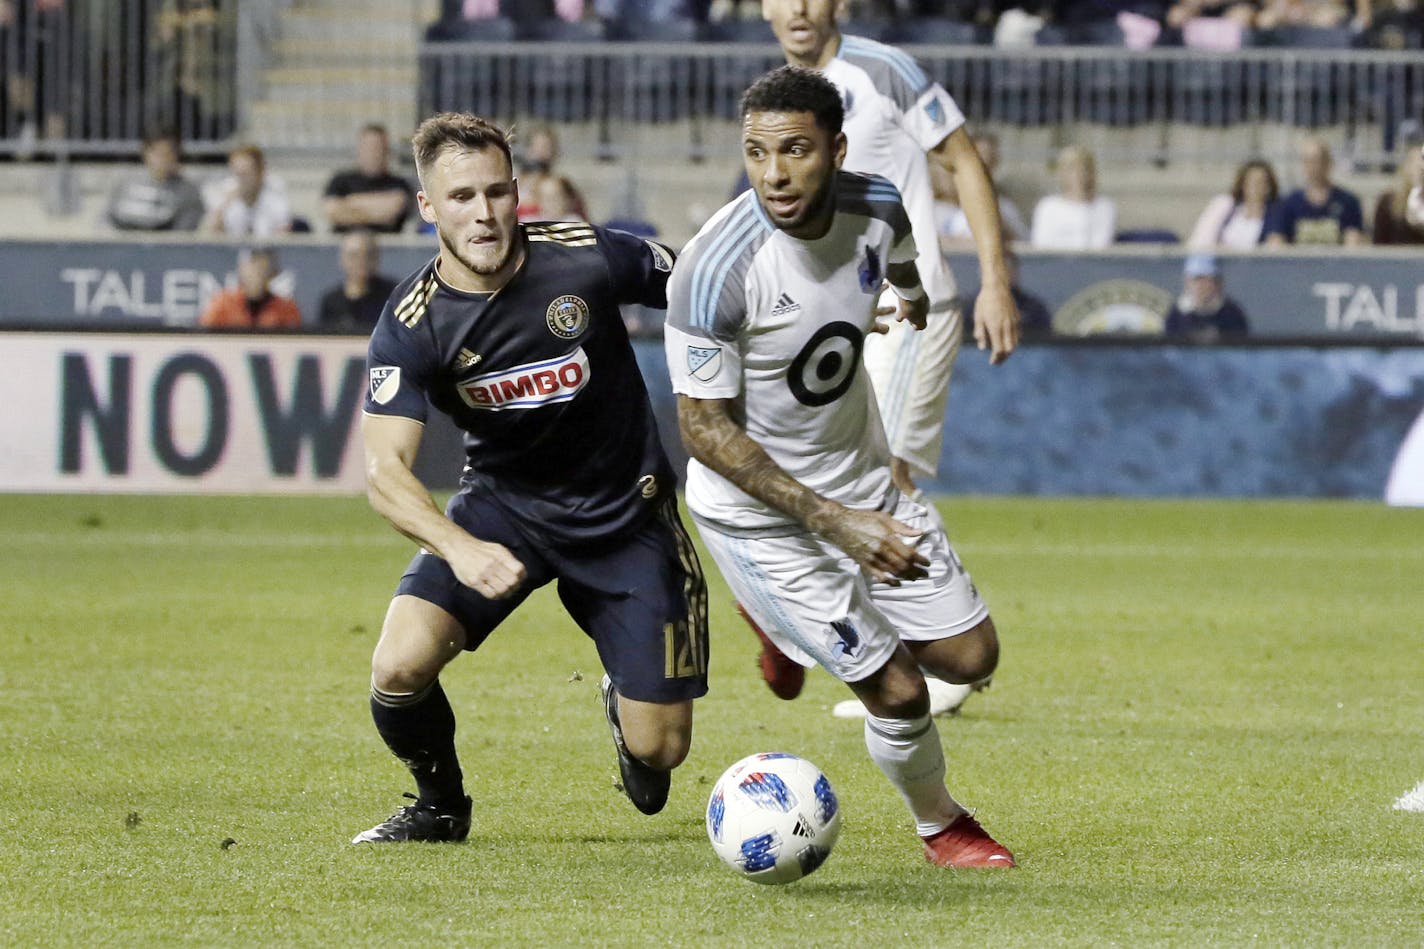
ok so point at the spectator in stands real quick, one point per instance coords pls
(557, 200)
(1316, 13)
(1237, 220)
(1389, 24)
(1391, 225)
(1414, 208)
(160, 198)
(195, 45)
(249, 202)
(1203, 312)
(1242, 13)
(537, 158)
(354, 304)
(1077, 218)
(1034, 319)
(951, 222)
(1319, 212)
(368, 196)
(252, 304)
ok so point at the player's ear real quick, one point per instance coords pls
(427, 213)
(838, 146)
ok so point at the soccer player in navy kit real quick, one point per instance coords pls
(514, 332)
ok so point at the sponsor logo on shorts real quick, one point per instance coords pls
(704, 362)
(850, 638)
(528, 387)
(385, 382)
(567, 316)
(648, 486)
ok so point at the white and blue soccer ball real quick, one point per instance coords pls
(773, 817)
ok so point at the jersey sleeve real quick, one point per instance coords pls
(933, 117)
(399, 368)
(918, 104)
(638, 268)
(707, 312)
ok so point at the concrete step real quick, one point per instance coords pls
(340, 51)
(324, 84)
(396, 26)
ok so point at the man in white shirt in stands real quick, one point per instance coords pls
(1078, 218)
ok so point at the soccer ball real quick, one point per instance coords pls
(773, 817)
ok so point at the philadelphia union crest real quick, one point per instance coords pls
(567, 317)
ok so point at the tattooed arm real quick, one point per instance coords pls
(872, 539)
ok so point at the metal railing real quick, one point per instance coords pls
(1365, 95)
(95, 77)
(92, 77)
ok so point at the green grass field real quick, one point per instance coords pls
(1203, 715)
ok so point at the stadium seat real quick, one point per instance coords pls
(931, 30)
(1316, 90)
(492, 30)
(660, 84)
(738, 30)
(1147, 235)
(871, 29)
(562, 86)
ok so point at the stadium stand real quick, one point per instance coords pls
(655, 104)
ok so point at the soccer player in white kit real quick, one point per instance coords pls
(897, 121)
(790, 480)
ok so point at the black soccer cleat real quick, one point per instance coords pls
(646, 787)
(420, 821)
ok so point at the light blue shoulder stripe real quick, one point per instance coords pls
(898, 60)
(709, 274)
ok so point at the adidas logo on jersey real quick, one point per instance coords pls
(784, 305)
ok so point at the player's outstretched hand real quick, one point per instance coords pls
(487, 568)
(877, 542)
(996, 322)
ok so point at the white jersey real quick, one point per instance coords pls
(894, 114)
(777, 324)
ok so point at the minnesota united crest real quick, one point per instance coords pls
(567, 317)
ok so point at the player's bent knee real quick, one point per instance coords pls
(660, 736)
(968, 657)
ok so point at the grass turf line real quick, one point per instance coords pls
(1203, 714)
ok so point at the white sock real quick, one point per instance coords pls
(909, 752)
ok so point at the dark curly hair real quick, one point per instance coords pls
(796, 89)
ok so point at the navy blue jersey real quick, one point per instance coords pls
(541, 378)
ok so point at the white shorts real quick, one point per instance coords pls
(909, 370)
(820, 608)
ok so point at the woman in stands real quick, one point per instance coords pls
(1391, 218)
(1234, 221)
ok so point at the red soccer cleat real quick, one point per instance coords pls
(965, 844)
(784, 676)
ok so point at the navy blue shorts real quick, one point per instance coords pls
(643, 601)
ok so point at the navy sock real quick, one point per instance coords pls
(419, 728)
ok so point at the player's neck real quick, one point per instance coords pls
(455, 275)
